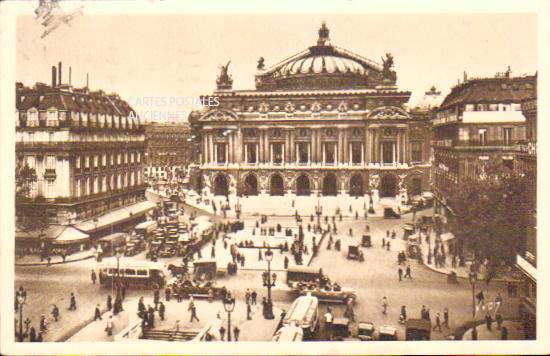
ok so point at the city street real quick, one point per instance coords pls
(372, 279)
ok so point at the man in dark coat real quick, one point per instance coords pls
(32, 334)
(72, 304)
(162, 310)
(109, 302)
(55, 312)
(97, 313)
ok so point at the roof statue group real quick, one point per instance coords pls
(317, 61)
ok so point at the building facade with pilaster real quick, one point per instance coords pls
(324, 121)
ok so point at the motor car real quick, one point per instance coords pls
(365, 331)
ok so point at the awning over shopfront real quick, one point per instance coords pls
(55, 234)
(69, 236)
(115, 217)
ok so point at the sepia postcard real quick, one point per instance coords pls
(218, 177)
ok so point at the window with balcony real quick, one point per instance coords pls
(119, 158)
(303, 152)
(251, 154)
(329, 151)
(416, 151)
(388, 153)
(356, 152)
(104, 160)
(32, 118)
(50, 162)
(221, 152)
(96, 159)
(52, 118)
(507, 135)
(277, 153)
(482, 136)
(463, 134)
(87, 162)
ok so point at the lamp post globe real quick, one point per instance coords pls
(229, 306)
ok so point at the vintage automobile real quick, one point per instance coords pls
(365, 331)
(340, 328)
(414, 250)
(366, 241)
(417, 329)
(304, 280)
(205, 268)
(167, 250)
(408, 230)
(131, 249)
(197, 289)
(387, 333)
(355, 253)
(389, 213)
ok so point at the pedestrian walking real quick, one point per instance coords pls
(193, 310)
(446, 317)
(504, 333)
(109, 302)
(43, 326)
(156, 298)
(248, 311)
(141, 305)
(403, 314)
(428, 315)
(150, 316)
(328, 319)
(388, 245)
(247, 296)
(167, 293)
(260, 258)
(55, 312)
(400, 273)
(349, 313)
(94, 277)
(499, 320)
(97, 313)
(222, 333)
(253, 297)
(286, 261)
(72, 304)
(437, 323)
(236, 333)
(480, 298)
(109, 327)
(387, 234)
(162, 310)
(383, 242)
(408, 272)
(384, 305)
(489, 322)
(32, 334)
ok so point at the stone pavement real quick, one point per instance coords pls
(257, 329)
(287, 205)
(515, 331)
(34, 260)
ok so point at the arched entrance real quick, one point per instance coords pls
(221, 186)
(356, 186)
(388, 186)
(277, 186)
(329, 185)
(251, 185)
(302, 185)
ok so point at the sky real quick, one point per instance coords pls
(160, 64)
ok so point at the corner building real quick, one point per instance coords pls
(324, 121)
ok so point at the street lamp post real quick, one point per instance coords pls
(473, 279)
(118, 254)
(21, 298)
(319, 212)
(268, 282)
(238, 209)
(229, 305)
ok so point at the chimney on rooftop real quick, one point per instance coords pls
(54, 77)
(59, 72)
(69, 75)
(87, 80)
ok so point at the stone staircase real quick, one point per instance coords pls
(168, 335)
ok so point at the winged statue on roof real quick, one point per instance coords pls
(387, 72)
